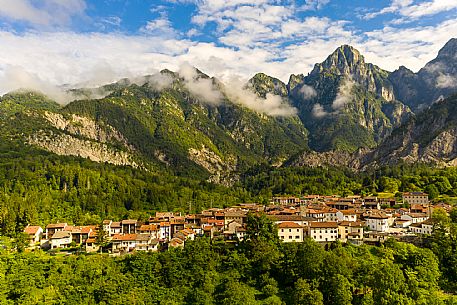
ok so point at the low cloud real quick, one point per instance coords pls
(16, 78)
(344, 95)
(446, 81)
(307, 92)
(319, 111)
(272, 105)
(201, 87)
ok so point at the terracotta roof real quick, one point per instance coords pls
(90, 240)
(348, 212)
(148, 228)
(31, 230)
(351, 224)
(415, 194)
(142, 237)
(56, 225)
(129, 221)
(287, 217)
(107, 222)
(61, 234)
(124, 237)
(289, 224)
(325, 224)
(116, 224)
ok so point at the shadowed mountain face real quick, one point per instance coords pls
(346, 103)
(435, 81)
(187, 123)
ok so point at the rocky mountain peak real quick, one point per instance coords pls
(345, 60)
(262, 84)
(449, 50)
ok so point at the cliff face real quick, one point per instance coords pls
(346, 103)
(431, 137)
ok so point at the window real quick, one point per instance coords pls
(297, 237)
(282, 230)
(297, 230)
(290, 237)
(290, 230)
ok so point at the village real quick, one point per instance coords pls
(324, 219)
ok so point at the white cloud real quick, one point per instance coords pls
(42, 13)
(307, 92)
(411, 11)
(319, 111)
(201, 87)
(160, 26)
(271, 105)
(446, 81)
(344, 95)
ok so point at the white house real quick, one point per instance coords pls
(377, 222)
(415, 217)
(60, 239)
(124, 242)
(323, 231)
(34, 234)
(346, 215)
(290, 232)
(415, 198)
(425, 227)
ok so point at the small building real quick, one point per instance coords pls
(123, 242)
(144, 242)
(422, 228)
(129, 226)
(415, 217)
(291, 232)
(346, 215)
(377, 222)
(115, 228)
(350, 231)
(415, 198)
(52, 228)
(34, 234)
(61, 239)
(323, 231)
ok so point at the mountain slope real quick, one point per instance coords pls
(436, 80)
(346, 103)
(431, 137)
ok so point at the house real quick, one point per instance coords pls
(91, 243)
(151, 230)
(123, 242)
(107, 225)
(351, 231)
(234, 215)
(415, 198)
(371, 203)
(415, 217)
(176, 242)
(286, 200)
(52, 228)
(115, 228)
(129, 226)
(425, 227)
(34, 234)
(176, 225)
(377, 222)
(291, 232)
(323, 231)
(325, 214)
(301, 220)
(346, 215)
(79, 234)
(61, 239)
(144, 242)
(164, 230)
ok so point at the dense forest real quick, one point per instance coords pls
(261, 270)
(37, 187)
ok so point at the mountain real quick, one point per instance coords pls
(436, 80)
(430, 137)
(168, 129)
(346, 103)
(345, 112)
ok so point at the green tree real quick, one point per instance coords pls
(303, 294)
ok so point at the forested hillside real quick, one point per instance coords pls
(259, 271)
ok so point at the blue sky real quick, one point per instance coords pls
(53, 42)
